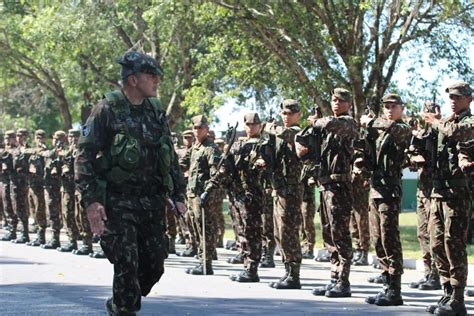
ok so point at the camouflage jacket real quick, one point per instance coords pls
(116, 133)
(449, 180)
(391, 140)
(6, 159)
(203, 159)
(36, 165)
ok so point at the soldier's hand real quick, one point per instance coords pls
(181, 208)
(312, 119)
(432, 118)
(301, 150)
(96, 216)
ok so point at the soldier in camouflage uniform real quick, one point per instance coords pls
(36, 198)
(7, 172)
(450, 204)
(19, 184)
(203, 157)
(308, 211)
(127, 172)
(68, 193)
(241, 173)
(52, 184)
(337, 133)
(221, 193)
(388, 138)
(3, 216)
(287, 195)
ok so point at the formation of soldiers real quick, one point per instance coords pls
(38, 182)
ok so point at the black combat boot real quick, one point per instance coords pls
(469, 293)
(69, 247)
(98, 255)
(190, 251)
(199, 270)
(220, 242)
(356, 256)
(308, 254)
(341, 289)
(455, 306)
(172, 246)
(432, 283)
(85, 250)
(112, 309)
(385, 281)
(416, 284)
(448, 290)
(292, 282)
(249, 275)
(363, 259)
(180, 240)
(378, 279)
(40, 239)
(267, 259)
(53, 243)
(287, 271)
(24, 237)
(393, 296)
(238, 259)
(326, 257)
(11, 235)
(321, 290)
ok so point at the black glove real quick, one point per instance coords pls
(203, 198)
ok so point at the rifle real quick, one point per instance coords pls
(311, 138)
(267, 147)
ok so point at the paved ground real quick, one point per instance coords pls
(35, 281)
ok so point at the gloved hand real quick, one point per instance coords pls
(203, 198)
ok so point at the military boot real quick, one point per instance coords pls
(363, 259)
(190, 251)
(85, 250)
(292, 282)
(341, 289)
(53, 243)
(199, 270)
(455, 306)
(180, 240)
(24, 237)
(172, 246)
(448, 290)
(40, 239)
(393, 295)
(385, 281)
(112, 309)
(378, 279)
(469, 293)
(238, 259)
(325, 257)
(432, 283)
(220, 242)
(321, 290)
(249, 275)
(267, 259)
(287, 271)
(308, 254)
(98, 255)
(416, 284)
(11, 235)
(356, 256)
(69, 247)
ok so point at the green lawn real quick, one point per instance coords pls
(411, 248)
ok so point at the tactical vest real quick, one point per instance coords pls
(122, 159)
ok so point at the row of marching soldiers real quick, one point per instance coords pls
(38, 182)
(343, 157)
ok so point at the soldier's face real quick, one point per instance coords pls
(393, 111)
(200, 132)
(20, 139)
(146, 84)
(39, 140)
(290, 118)
(252, 129)
(339, 106)
(188, 141)
(459, 103)
(11, 140)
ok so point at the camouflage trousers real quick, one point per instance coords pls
(68, 199)
(7, 202)
(287, 221)
(136, 244)
(423, 233)
(385, 233)
(335, 212)
(187, 227)
(360, 231)
(3, 216)
(37, 204)
(250, 230)
(209, 228)
(449, 220)
(220, 220)
(82, 222)
(53, 203)
(268, 231)
(19, 196)
(308, 211)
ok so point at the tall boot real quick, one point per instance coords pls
(393, 296)
(11, 235)
(448, 290)
(293, 279)
(385, 280)
(53, 243)
(249, 275)
(287, 271)
(24, 237)
(40, 238)
(455, 306)
(267, 259)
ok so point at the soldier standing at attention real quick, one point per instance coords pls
(127, 172)
(287, 196)
(450, 203)
(3, 215)
(337, 133)
(390, 136)
(204, 157)
(7, 172)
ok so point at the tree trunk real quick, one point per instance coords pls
(64, 111)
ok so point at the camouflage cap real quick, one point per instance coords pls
(252, 117)
(22, 132)
(10, 133)
(199, 120)
(40, 132)
(290, 104)
(59, 134)
(188, 133)
(342, 94)
(460, 88)
(74, 132)
(133, 62)
(392, 98)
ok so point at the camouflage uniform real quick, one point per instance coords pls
(3, 216)
(268, 231)
(7, 171)
(126, 162)
(308, 211)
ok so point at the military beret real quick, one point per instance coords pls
(187, 133)
(74, 132)
(10, 133)
(134, 62)
(392, 97)
(199, 120)
(290, 104)
(40, 132)
(22, 132)
(342, 94)
(460, 88)
(59, 134)
(252, 117)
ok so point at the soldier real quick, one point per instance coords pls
(68, 193)
(219, 199)
(241, 172)
(52, 184)
(287, 195)
(390, 136)
(3, 215)
(337, 133)
(7, 172)
(308, 211)
(19, 184)
(204, 157)
(36, 198)
(450, 202)
(126, 172)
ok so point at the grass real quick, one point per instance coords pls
(410, 245)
